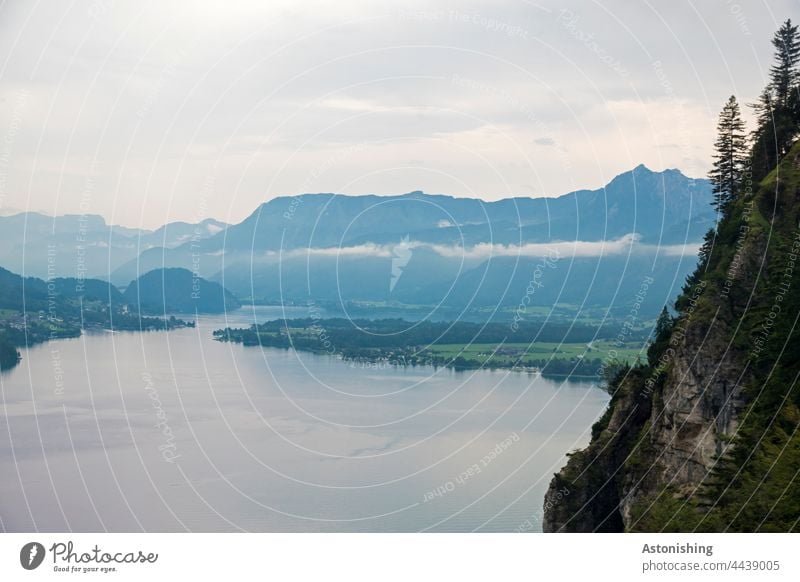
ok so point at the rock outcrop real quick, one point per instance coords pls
(711, 420)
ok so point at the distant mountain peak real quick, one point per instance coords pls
(642, 169)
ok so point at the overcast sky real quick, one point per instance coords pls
(148, 112)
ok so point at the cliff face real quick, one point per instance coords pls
(705, 435)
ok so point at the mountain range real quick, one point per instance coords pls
(84, 245)
(409, 249)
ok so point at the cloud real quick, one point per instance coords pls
(148, 100)
(484, 251)
(564, 249)
(356, 251)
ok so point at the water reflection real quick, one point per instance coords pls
(173, 431)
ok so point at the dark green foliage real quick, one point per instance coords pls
(34, 311)
(745, 295)
(764, 154)
(730, 155)
(9, 355)
(88, 290)
(778, 107)
(661, 335)
(405, 343)
(755, 486)
(365, 333)
(783, 73)
(178, 291)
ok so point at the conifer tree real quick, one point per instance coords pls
(765, 148)
(783, 72)
(778, 107)
(663, 325)
(660, 337)
(730, 155)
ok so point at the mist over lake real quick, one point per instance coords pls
(172, 431)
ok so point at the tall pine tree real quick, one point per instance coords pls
(778, 108)
(783, 73)
(765, 147)
(730, 155)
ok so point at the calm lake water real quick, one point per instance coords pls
(172, 431)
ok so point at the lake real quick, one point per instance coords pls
(172, 431)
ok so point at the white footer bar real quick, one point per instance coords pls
(399, 557)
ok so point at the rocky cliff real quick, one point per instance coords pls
(704, 436)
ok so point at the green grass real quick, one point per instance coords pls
(524, 353)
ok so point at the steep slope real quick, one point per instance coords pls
(705, 435)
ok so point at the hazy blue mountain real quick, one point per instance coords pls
(612, 281)
(344, 248)
(178, 291)
(665, 207)
(85, 245)
(615, 282)
(176, 233)
(32, 294)
(33, 310)
(88, 290)
(662, 207)
(17, 292)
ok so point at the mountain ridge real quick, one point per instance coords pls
(663, 207)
